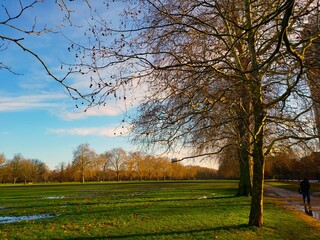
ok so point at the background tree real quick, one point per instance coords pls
(100, 167)
(39, 172)
(26, 170)
(167, 170)
(2, 161)
(104, 161)
(15, 167)
(61, 168)
(118, 161)
(163, 168)
(140, 165)
(229, 165)
(149, 163)
(281, 165)
(83, 157)
(130, 166)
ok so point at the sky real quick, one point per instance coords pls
(37, 118)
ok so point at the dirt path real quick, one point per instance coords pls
(295, 199)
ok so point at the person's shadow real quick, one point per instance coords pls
(307, 209)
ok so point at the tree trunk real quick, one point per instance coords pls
(245, 187)
(82, 177)
(118, 176)
(259, 115)
(313, 82)
(256, 211)
(243, 125)
(312, 60)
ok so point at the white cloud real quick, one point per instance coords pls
(57, 104)
(67, 114)
(95, 131)
(27, 102)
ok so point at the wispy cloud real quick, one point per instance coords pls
(70, 115)
(93, 131)
(57, 104)
(27, 102)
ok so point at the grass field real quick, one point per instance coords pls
(144, 210)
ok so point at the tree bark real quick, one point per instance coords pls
(313, 82)
(245, 187)
(82, 177)
(256, 211)
(245, 181)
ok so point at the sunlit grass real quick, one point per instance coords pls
(144, 210)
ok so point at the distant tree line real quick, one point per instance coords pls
(87, 165)
(19, 169)
(286, 165)
(118, 165)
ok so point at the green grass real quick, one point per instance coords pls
(144, 210)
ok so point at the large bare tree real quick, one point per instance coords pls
(219, 73)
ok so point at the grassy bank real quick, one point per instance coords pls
(143, 210)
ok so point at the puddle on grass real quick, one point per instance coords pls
(24, 218)
(78, 197)
(54, 197)
(135, 194)
(305, 208)
(203, 197)
(308, 210)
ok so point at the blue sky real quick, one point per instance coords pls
(37, 118)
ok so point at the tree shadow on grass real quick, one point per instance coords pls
(210, 232)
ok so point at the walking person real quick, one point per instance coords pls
(305, 190)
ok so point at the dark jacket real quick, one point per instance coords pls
(305, 186)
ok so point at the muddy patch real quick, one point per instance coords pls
(25, 218)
